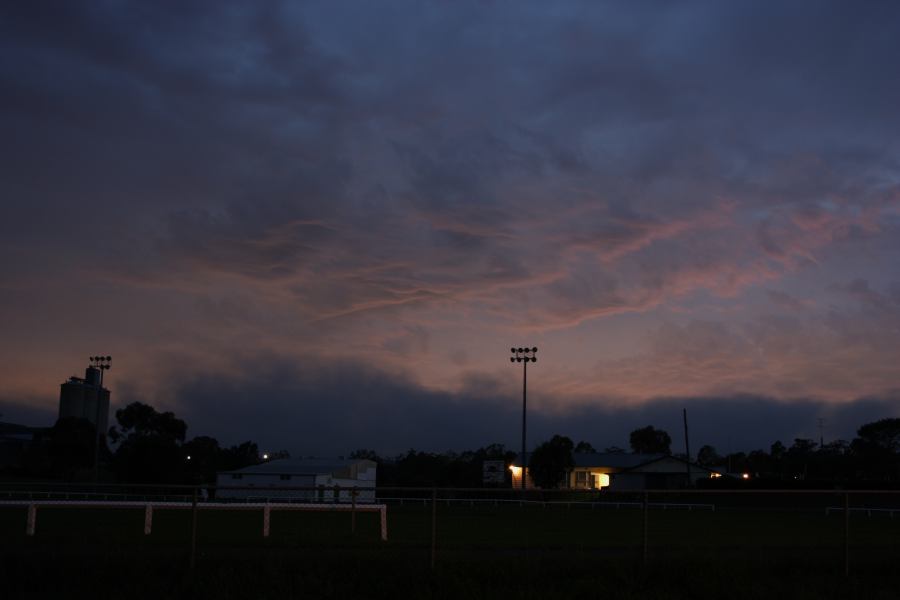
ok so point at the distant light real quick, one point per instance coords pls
(714, 475)
(745, 476)
(516, 471)
(189, 457)
(265, 457)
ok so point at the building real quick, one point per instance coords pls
(593, 471)
(332, 480)
(85, 399)
(16, 441)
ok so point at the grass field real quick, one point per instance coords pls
(481, 552)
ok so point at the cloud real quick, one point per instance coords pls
(336, 407)
(408, 186)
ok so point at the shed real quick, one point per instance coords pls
(332, 480)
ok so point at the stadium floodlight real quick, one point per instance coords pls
(524, 356)
(101, 363)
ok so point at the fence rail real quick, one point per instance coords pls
(448, 512)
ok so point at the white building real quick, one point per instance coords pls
(332, 480)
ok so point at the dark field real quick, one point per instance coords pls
(481, 552)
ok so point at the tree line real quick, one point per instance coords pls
(148, 446)
(871, 459)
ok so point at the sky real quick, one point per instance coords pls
(322, 225)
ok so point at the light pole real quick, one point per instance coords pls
(102, 363)
(523, 355)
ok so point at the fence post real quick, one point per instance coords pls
(31, 519)
(846, 534)
(433, 524)
(644, 511)
(148, 519)
(353, 511)
(194, 530)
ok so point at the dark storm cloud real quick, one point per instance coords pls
(319, 408)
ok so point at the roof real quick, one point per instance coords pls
(301, 466)
(617, 460)
(20, 432)
(668, 457)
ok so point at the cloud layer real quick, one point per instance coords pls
(692, 200)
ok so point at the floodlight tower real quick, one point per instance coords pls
(101, 363)
(523, 355)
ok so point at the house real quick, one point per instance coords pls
(332, 480)
(623, 471)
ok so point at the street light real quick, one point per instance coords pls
(523, 355)
(101, 363)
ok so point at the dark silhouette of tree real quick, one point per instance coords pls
(71, 448)
(142, 420)
(237, 457)
(650, 440)
(364, 454)
(707, 456)
(550, 461)
(876, 450)
(201, 456)
(883, 434)
(149, 448)
(777, 450)
(584, 448)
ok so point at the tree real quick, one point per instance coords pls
(707, 456)
(650, 440)
(883, 434)
(550, 461)
(365, 454)
(777, 450)
(201, 456)
(584, 448)
(237, 457)
(71, 447)
(142, 420)
(149, 445)
(802, 447)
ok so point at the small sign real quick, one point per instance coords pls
(493, 471)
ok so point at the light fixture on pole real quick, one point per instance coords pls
(523, 355)
(101, 363)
